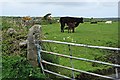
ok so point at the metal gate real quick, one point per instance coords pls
(41, 61)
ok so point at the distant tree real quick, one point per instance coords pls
(91, 19)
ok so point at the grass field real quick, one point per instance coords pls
(100, 34)
(94, 34)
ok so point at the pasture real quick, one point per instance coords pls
(100, 34)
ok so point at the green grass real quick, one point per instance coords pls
(100, 34)
(94, 34)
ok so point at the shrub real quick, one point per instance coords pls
(18, 67)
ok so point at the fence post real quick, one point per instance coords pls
(73, 76)
(116, 69)
(31, 47)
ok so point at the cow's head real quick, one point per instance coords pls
(81, 20)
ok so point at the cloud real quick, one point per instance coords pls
(86, 9)
(108, 4)
(0, 8)
(68, 4)
(59, 0)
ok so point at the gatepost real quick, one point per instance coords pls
(33, 36)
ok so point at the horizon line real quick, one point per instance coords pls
(57, 16)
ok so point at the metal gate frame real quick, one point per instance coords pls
(76, 58)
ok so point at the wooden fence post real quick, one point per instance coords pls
(33, 35)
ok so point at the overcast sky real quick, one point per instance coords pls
(78, 8)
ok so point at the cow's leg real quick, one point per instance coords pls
(73, 29)
(68, 29)
(62, 27)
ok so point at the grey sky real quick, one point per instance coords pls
(88, 8)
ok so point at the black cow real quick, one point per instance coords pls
(66, 20)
